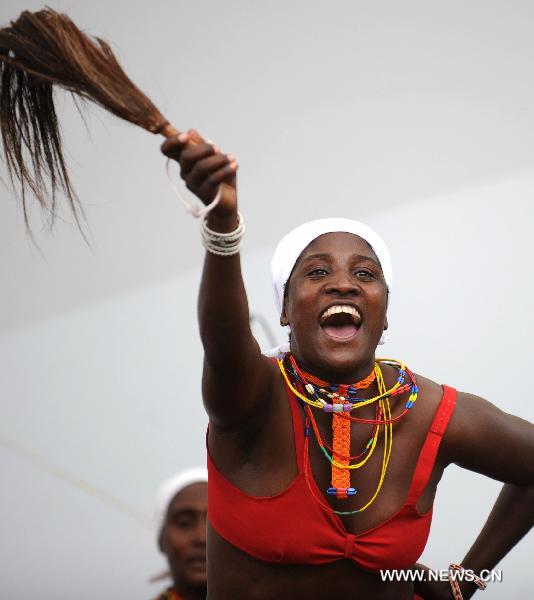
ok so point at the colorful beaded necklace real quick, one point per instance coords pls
(343, 400)
(341, 437)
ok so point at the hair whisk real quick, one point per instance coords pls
(41, 50)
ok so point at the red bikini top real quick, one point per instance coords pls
(292, 527)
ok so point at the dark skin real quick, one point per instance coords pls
(183, 541)
(252, 433)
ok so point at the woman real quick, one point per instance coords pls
(180, 515)
(305, 502)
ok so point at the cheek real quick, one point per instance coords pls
(299, 304)
(378, 296)
(177, 541)
(301, 325)
(379, 314)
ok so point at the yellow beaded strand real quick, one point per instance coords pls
(388, 443)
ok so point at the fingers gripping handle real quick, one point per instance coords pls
(195, 211)
(167, 130)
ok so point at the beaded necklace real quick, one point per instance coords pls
(344, 399)
(399, 388)
(341, 436)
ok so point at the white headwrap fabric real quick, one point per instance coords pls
(173, 486)
(291, 246)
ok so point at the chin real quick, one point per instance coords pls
(197, 580)
(351, 352)
(192, 576)
(336, 358)
(346, 361)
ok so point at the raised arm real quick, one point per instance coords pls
(237, 379)
(484, 439)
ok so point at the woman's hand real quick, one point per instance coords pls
(203, 167)
(431, 590)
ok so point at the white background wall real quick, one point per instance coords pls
(415, 117)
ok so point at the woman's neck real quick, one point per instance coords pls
(347, 376)
(183, 592)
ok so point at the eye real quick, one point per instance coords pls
(364, 274)
(318, 272)
(183, 520)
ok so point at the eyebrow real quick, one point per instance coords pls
(183, 512)
(325, 256)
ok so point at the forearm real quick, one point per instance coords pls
(223, 307)
(511, 518)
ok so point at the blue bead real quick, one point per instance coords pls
(332, 491)
(351, 491)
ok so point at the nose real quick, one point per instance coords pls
(200, 532)
(342, 283)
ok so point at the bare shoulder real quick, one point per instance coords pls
(483, 438)
(476, 417)
(235, 402)
(480, 436)
(430, 394)
(429, 388)
(248, 414)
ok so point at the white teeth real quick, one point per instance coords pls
(340, 308)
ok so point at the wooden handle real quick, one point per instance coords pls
(168, 130)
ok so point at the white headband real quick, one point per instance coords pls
(292, 245)
(173, 486)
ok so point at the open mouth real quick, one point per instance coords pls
(341, 322)
(196, 562)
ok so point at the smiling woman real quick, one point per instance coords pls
(334, 261)
(324, 460)
(181, 507)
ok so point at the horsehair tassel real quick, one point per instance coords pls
(37, 51)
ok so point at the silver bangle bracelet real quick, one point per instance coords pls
(223, 244)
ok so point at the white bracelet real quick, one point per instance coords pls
(223, 244)
(195, 211)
